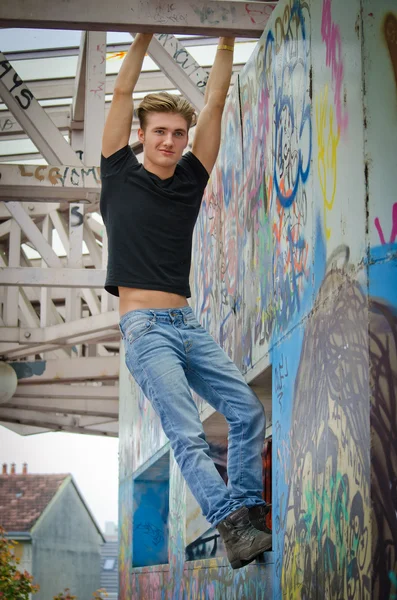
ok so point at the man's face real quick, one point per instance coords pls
(165, 137)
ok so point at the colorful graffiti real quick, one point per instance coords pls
(125, 537)
(335, 477)
(219, 241)
(328, 135)
(331, 117)
(327, 533)
(275, 276)
(383, 384)
(393, 234)
(254, 221)
(331, 36)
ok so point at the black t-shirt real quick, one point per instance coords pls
(149, 222)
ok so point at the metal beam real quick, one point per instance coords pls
(10, 129)
(199, 17)
(29, 316)
(33, 118)
(117, 47)
(67, 371)
(70, 406)
(94, 55)
(12, 294)
(34, 234)
(93, 247)
(54, 89)
(71, 424)
(49, 183)
(45, 292)
(24, 429)
(64, 332)
(58, 391)
(180, 67)
(5, 228)
(80, 80)
(34, 209)
(53, 277)
(87, 262)
(14, 351)
(61, 229)
(49, 89)
(19, 158)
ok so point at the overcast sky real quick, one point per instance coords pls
(92, 460)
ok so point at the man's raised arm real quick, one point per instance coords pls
(208, 131)
(118, 123)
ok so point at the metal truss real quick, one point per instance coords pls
(219, 17)
(58, 327)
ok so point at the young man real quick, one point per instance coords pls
(150, 211)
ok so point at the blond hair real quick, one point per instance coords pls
(163, 102)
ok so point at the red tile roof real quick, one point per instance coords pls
(23, 498)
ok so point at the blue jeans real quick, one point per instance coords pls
(168, 352)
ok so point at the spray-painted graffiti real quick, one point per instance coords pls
(148, 434)
(327, 542)
(125, 552)
(7, 124)
(182, 58)
(330, 32)
(75, 176)
(287, 81)
(16, 87)
(150, 531)
(214, 15)
(383, 417)
(218, 241)
(393, 234)
(257, 235)
(328, 134)
(383, 383)
(280, 373)
(99, 90)
(258, 14)
(259, 202)
(331, 116)
(287, 47)
(76, 218)
(270, 279)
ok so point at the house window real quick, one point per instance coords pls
(109, 564)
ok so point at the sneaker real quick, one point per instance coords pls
(242, 541)
(257, 516)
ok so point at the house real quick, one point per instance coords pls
(59, 541)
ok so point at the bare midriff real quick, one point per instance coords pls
(136, 299)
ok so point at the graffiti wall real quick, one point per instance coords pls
(295, 263)
(315, 228)
(380, 32)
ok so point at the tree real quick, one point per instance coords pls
(14, 585)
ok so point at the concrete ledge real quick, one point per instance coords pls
(208, 563)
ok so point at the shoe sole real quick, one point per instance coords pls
(238, 563)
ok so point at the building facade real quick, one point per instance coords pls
(59, 542)
(295, 275)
